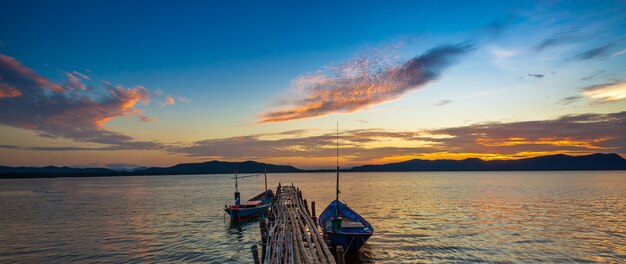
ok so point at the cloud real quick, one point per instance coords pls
(564, 36)
(183, 99)
(595, 53)
(168, 100)
(362, 82)
(81, 75)
(536, 75)
(443, 102)
(74, 82)
(501, 53)
(570, 99)
(497, 27)
(607, 92)
(592, 76)
(573, 134)
(618, 53)
(69, 110)
(8, 91)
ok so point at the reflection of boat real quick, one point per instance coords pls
(341, 224)
(252, 208)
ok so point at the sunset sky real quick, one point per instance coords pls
(144, 83)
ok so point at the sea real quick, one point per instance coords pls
(419, 217)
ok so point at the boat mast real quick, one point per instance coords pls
(236, 187)
(237, 195)
(337, 191)
(265, 173)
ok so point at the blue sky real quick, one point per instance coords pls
(228, 66)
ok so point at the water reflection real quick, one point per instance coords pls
(419, 217)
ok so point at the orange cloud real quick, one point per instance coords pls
(32, 102)
(10, 64)
(574, 135)
(363, 82)
(553, 141)
(8, 91)
(483, 156)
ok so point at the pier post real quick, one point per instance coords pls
(340, 259)
(255, 254)
(306, 205)
(263, 226)
(313, 215)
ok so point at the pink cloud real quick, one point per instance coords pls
(362, 82)
(8, 91)
(68, 111)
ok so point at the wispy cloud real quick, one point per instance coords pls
(592, 76)
(570, 99)
(602, 51)
(501, 53)
(619, 53)
(167, 100)
(561, 37)
(536, 75)
(607, 92)
(362, 82)
(443, 102)
(32, 102)
(183, 99)
(8, 91)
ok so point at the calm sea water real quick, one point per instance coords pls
(419, 217)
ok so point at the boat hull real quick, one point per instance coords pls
(350, 242)
(243, 214)
(350, 236)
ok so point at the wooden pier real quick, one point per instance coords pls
(290, 234)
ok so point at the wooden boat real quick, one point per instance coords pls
(342, 225)
(252, 208)
(346, 228)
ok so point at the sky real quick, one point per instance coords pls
(122, 84)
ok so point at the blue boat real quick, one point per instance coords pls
(342, 225)
(252, 208)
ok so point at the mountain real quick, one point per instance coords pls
(52, 171)
(217, 167)
(552, 162)
(211, 167)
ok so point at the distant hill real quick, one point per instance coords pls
(211, 167)
(52, 171)
(543, 163)
(553, 162)
(217, 167)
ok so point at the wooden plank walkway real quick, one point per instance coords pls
(291, 235)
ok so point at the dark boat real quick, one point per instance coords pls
(342, 225)
(252, 208)
(350, 230)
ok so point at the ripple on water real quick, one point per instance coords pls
(419, 217)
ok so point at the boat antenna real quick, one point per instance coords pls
(236, 185)
(237, 194)
(265, 173)
(337, 191)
